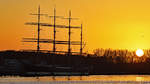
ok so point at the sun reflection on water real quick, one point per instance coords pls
(139, 79)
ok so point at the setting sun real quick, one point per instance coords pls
(139, 52)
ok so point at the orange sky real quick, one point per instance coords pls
(117, 24)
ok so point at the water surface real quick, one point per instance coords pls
(95, 79)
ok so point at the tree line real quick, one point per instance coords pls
(121, 55)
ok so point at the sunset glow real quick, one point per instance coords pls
(116, 24)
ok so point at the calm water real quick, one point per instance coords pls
(101, 79)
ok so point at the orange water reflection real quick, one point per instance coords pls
(80, 78)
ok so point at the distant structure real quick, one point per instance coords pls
(54, 41)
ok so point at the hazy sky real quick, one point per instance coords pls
(117, 24)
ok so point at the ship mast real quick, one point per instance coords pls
(38, 42)
(81, 48)
(54, 45)
(69, 33)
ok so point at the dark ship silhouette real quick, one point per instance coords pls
(40, 62)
